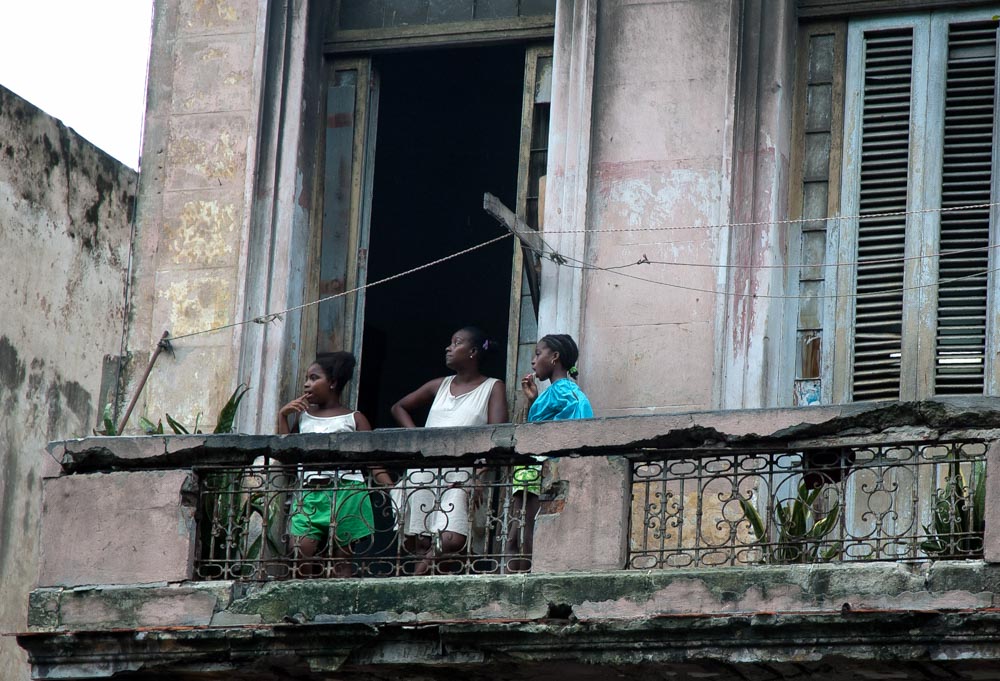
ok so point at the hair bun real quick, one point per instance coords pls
(481, 342)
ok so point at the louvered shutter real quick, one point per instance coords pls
(966, 180)
(881, 241)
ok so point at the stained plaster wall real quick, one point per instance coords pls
(198, 149)
(689, 129)
(670, 83)
(663, 108)
(65, 211)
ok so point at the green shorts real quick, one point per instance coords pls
(353, 514)
(528, 479)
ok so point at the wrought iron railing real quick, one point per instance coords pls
(275, 521)
(900, 501)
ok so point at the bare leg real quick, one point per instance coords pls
(304, 548)
(453, 546)
(422, 548)
(342, 566)
(419, 548)
(524, 509)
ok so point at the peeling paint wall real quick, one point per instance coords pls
(65, 211)
(221, 226)
(663, 104)
(203, 107)
(754, 348)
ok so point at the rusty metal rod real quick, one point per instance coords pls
(163, 344)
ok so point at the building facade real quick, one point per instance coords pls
(279, 174)
(732, 205)
(65, 223)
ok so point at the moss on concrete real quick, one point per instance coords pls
(584, 597)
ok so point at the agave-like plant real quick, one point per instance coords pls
(108, 419)
(231, 538)
(958, 517)
(223, 424)
(799, 531)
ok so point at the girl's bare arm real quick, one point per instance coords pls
(421, 397)
(296, 406)
(497, 406)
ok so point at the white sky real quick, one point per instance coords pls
(82, 61)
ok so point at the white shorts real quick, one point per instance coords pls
(431, 501)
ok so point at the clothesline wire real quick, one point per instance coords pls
(849, 263)
(580, 264)
(775, 223)
(645, 260)
(273, 316)
(583, 265)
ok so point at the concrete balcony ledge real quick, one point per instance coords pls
(602, 436)
(119, 541)
(825, 620)
(830, 589)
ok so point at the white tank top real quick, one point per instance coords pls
(470, 409)
(344, 423)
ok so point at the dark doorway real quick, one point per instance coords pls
(448, 130)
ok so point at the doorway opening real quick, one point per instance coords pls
(448, 130)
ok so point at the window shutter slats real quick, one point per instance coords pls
(885, 139)
(966, 179)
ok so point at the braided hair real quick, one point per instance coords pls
(569, 353)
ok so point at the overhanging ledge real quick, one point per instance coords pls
(827, 617)
(602, 436)
(822, 646)
(585, 597)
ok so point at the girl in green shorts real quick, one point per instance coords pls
(335, 508)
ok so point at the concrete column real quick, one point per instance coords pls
(586, 530)
(560, 308)
(193, 210)
(991, 538)
(754, 352)
(659, 175)
(286, 195)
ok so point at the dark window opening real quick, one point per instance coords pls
(448, 130)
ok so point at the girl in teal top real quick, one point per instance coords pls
(555, 361)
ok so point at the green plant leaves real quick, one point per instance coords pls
(224, 424)
(825, 525)
(177, 427)
(756, 522)
(108, 419)
(799, 531)
(958, 514)
(149, 427)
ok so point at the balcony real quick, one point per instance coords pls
(829, 541)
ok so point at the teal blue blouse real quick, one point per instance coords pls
(562, 401)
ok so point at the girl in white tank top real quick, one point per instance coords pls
(435, 505)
